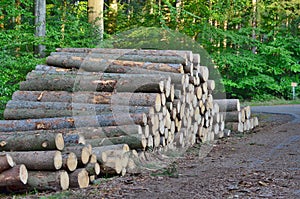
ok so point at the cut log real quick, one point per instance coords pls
(82, 153)
(105, 119)
(235, 126)
(94, 83)
(73, 139)
(133, 141)
(109, 131)
(14, 176)
(38, 160)
(69, 161)
(226, 105)
(22, 141)
(203, 73)
(109, 65)
(93, 168)
(34, 110)
(79, 178)
(128, 99)
(6, 162)
(112, 166)
(234, 116)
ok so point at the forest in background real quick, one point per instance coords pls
(255, 44)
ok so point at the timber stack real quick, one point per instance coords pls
(93, 112)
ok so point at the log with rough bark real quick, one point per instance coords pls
(124, 98)
(183, 53)
(82, 153)
(34, 110)
(73, 83)
(227, 105)
(6, 162)
(37, 160)
(105, 119)
(69, 161)
(30, 141)
(109, 65)
(79, 178)
(93, 168)
(14, 176)
(137, 141)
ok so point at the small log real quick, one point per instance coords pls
(100, 151)
(6, 162)
(23, 141)
(137, 141)
(69, 161)
(38, 160)
(93, 168)
(235, 126)
(14, 176)
(79, 178)
(82, 153)
(112, 166)
(109, 131)
(227, 105)
(203, 73)
(234, 116)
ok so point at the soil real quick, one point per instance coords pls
(264, 163)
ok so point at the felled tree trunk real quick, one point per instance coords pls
(6, 162)
(16, 175)
(79, 178)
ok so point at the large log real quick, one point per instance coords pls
(124, 98)
(94, 83)
(109, 65)
(133, 141)
(6, 162)
(118, 52)
(15, 175)
(30, 141)
(33, 110)
(38, 160)
(226, 105)
(106, 119)
(79, 178)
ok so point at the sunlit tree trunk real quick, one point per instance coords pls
(40, 25)
(95, 16)
(63, 20)
(112, 16)
(178, 13)
(254, 23)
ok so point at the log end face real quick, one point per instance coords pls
(10, 160)
(59, 141)
(58, 161)
(72, 161)
(83, 179)
(85, 155)
(64, 180)
(97, 168)
(23, 174)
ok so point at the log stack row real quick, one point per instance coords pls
(91, 111)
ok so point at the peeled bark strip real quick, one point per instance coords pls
(14, 176)
(79, 178)
(22, 141)
(6, 162)
(38, 160)
(69, 161)
(133, 141)
(109, 131)
(109, 65)
(93, 83)
(226, 105)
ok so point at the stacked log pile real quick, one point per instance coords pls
(91, 111)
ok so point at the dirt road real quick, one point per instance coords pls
(261, 164)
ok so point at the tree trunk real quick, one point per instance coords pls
(109, 66)
(133, 141)
(95, 83)
(14, 176)
(40, 25)
(6, 162)
(38, 160)
(79, 178)
(26, 141)
(95, 16)
(124, 98)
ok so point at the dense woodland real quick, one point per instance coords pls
(253, 43)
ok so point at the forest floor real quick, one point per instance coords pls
(264, 163)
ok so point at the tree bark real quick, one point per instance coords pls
(110, 66)
(79, 178)
(95, 16)
(40, 25)
(14, 176)
(26, 141)
(38, 160)
(133, 141)
(6, 162)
